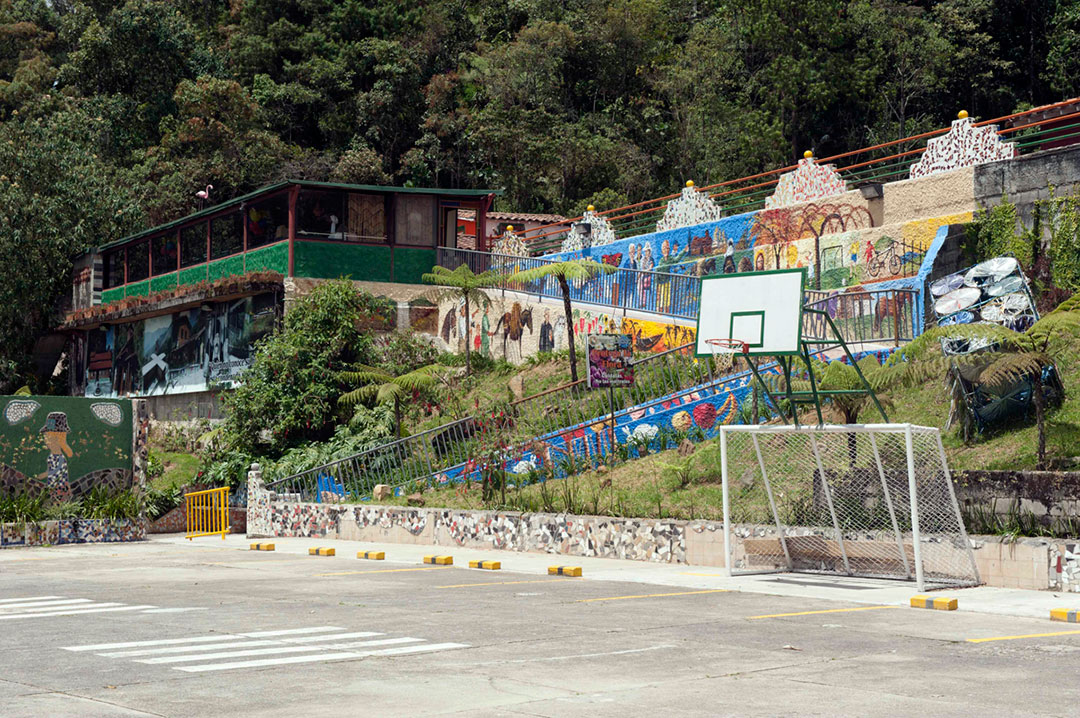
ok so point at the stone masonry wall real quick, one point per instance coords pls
(1025, 563)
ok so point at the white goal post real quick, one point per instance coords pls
(873, 500)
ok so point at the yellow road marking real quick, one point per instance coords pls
(384, 570)
(1028, 635)
(503, 583)
(653, 595)
(828, 610)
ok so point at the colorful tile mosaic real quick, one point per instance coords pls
(806, 183)
(963, 146)
(691, 207)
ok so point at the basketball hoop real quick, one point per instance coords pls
(727, 347)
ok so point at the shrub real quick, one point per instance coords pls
(288, 395)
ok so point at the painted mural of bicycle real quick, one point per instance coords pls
(889, 259)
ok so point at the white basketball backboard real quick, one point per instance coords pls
(763, 309)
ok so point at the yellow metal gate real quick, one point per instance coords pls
(208, 512)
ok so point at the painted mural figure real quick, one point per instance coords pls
(55, 433)
(646, 265)
(485, 333)
(547, 332)
(632, 279)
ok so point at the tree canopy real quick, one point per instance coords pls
(561, 104)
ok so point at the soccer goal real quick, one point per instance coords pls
(872, 500)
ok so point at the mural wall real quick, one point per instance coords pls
(514, 329)
(64, 445)
(174, 353)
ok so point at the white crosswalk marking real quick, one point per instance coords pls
(218, 652)
(14, 606)
(331, 657)
(12, 609)
(113, 608)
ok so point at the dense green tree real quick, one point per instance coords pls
(57, 198)
(289, 394)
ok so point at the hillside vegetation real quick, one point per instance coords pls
(113, 114)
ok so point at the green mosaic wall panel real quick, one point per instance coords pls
(193, 275)
(77, 443)
(327, 260)
(410, 264)
(163, 283)
(138, 289)
(112, 295)
(227, 267)
(274, 258)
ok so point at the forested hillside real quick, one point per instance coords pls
(112, 115)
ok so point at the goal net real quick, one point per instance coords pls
(870, 500)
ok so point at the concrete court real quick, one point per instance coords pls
(171, 628)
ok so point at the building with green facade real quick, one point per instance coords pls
(173, 311)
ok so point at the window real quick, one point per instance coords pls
(193, 245)
(414, 220)
(226, 235)
(138, 261)
(267, 221)
(112, 267)
(320, 215)
(164, 253)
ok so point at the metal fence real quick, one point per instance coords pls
(673, 295)
(882, 316)
(564, 409)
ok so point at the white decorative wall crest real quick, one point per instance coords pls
(601, 231)
(509, 243)
(806, 183)
(964, 145)
(688, 209)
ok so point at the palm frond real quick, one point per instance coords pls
(357, 395)
(1007, 368)
(571, 270)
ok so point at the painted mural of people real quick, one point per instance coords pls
(485, 333)
(632, 280)
(646, 265)
(55, 433)
(547, 332)
(663, 283)
(759, 262)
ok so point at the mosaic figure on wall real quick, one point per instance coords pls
(547, 333)
(38, 456)
(55, 433)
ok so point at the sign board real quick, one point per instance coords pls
(610, 360)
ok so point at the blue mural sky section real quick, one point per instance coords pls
(686, 246)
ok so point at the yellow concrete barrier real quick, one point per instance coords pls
(940, 603)
(489, 565)
(320, 551)
(207, 513)
(1063, 614)
(371, 555)
(262, 546)
(440, 560)
(564, 570)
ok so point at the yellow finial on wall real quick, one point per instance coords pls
(689, 183)
(808, 155)
(962, 114)
(590, 208)
(509, 228)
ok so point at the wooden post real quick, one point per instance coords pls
(294, 193)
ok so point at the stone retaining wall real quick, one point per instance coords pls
(1026, 563)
